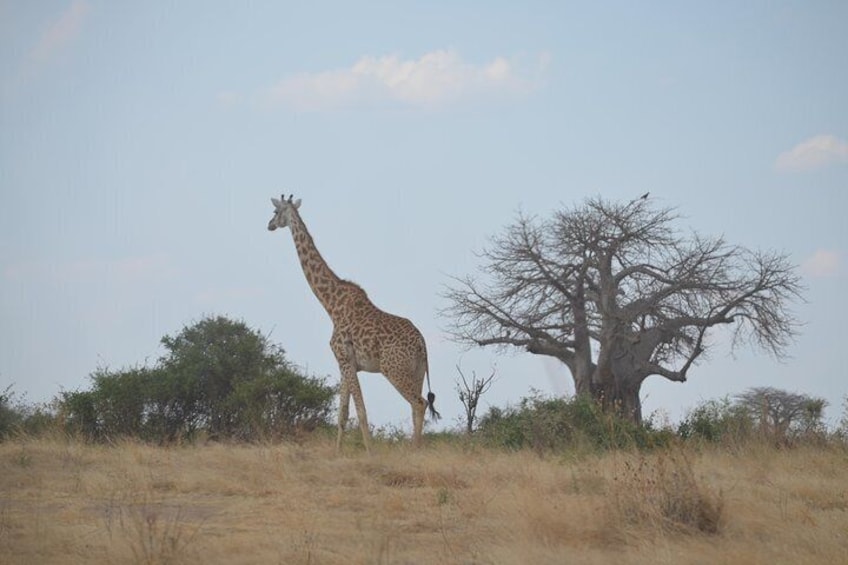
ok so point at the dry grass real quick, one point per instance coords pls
(662, 493)
(64, 502)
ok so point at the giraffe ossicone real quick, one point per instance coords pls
(364, 338)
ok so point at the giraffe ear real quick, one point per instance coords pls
(276, 203)
(296, 204)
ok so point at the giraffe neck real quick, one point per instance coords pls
(321, 278)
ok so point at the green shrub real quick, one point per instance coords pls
(842, 429)
(10, 416)
(218, 377)
(552, 424)
(280, 404)
(716, 421)
(20, 417)
(79, 414)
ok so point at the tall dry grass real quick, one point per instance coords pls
(66, 502)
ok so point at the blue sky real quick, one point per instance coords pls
(140, 144)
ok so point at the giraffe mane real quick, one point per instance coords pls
(354, 285)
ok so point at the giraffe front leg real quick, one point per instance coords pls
(344, 406)
(343, 349)
(361, 415)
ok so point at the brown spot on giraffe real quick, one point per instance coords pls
(364, 337)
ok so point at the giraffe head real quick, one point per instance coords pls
(283, 210)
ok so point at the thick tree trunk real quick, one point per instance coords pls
(582, 374)
(621, 397)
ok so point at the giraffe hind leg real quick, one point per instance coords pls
(410, 389)
(418, 409)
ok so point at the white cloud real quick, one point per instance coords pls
(435, 79)
(60, 32)
(822, 263)
(814, 153)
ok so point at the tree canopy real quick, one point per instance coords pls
(618, 293)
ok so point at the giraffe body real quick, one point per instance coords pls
(364, 338)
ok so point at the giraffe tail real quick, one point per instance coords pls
(431, 399)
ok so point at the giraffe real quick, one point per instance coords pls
(364, 337)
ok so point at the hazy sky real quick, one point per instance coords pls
(140, 143)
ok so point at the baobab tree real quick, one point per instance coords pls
(617, 293)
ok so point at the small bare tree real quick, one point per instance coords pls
(781, 413)
(617, 294)
(470, 393)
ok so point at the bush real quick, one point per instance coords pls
(281, 404)
(10, 417)
(717, 421)
(842, 429)
(551, 424)
(764, 414)
(18, 416)
(218, 377)
(79, 414)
